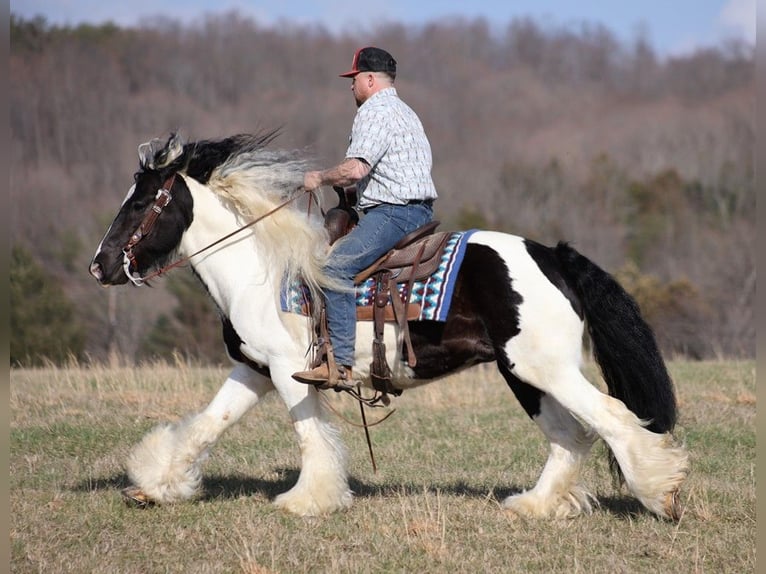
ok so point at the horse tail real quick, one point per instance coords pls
(624, 345)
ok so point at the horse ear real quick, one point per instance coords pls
(171, 151)
(155, 154)
(146, 153)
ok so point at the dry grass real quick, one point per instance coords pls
(446, 458)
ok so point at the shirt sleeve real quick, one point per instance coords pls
(370, 136)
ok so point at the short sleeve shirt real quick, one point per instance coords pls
(389, 136)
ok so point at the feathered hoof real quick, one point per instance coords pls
(137, 498)
(530, 504)
(672, 506)
(302, 502)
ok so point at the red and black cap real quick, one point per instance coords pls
(371, 59)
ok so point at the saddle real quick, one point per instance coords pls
(414, 258)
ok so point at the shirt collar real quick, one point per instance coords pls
(389, 92)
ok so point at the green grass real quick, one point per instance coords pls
(446, 458)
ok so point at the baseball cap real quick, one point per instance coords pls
(371, 59)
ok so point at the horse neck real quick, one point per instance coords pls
(232, 266)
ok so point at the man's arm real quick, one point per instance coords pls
(346, 173)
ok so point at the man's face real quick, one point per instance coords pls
(361, 86)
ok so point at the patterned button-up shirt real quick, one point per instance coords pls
(389, 136)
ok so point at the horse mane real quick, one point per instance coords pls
(253, 180)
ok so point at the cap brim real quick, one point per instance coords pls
(349, 74)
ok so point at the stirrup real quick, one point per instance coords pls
(340, 379)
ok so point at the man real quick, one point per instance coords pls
(389, 161)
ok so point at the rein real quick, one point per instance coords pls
(161, 201)
(163, 198)
(365, 425)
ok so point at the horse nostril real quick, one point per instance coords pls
(95, 270)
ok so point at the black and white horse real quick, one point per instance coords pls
(517, 303)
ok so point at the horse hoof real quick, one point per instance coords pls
(672, 505)
(134, 496)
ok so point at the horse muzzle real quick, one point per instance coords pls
(97, 272)
(104, 278)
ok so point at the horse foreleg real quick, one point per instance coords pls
(165, 466)
(558, 492)
(322, 486)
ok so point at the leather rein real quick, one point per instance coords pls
(161, 201)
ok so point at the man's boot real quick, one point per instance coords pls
(320, 376)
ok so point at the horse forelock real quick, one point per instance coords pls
(155, 155)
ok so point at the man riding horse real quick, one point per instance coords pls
(389, 161)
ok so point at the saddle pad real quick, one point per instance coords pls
(434, 294)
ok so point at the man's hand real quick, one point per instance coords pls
(312, 180)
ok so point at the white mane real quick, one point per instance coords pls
(255, 182)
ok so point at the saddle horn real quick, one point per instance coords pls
(341, 219)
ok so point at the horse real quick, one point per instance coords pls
(229, 208)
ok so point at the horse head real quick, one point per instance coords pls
(249, 182)
(151, 220)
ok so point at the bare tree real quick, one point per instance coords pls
(537, 130)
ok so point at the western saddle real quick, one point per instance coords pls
(414, 258)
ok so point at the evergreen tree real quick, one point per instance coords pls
(193, 330)
(44, 326)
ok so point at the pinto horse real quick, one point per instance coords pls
(520, 304)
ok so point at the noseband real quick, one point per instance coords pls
(161, 201)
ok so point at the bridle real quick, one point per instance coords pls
(162, 199)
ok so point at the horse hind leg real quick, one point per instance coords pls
(165, 467)
(558, 492)
(652, 465)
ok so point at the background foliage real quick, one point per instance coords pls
(644, 163)
(41, 316)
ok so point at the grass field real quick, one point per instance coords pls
(445, 458)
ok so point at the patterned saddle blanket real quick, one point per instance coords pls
(430, 299)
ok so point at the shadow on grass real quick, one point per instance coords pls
(227, 487)
(116, 482)
(218, 487)
(623, 507)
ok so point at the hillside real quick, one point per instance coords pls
(644, 164)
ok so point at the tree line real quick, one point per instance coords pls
(643, 163)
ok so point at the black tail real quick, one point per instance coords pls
(623, 343)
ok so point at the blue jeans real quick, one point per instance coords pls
(378, 231)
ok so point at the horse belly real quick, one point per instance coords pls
(444, 348)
